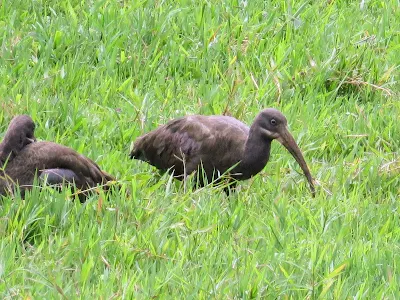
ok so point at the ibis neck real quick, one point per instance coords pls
(256, 154)
(5, 152)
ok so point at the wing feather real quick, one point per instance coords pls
(216, 142)
(39, 156)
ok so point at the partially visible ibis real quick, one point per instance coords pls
(217, 144)
(20, 133)
(22, 158)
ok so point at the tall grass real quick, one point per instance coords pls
(94, 75)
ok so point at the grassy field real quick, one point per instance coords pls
(94, 75)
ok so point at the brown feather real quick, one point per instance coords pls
(41, 156)
(217, 144)
(22, 159)
(19, 133)
(193, 139)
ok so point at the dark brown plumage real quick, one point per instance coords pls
(56, 164)
(216, 144)
(20, 133)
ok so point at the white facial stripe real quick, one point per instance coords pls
(269, 133)
(266, 131)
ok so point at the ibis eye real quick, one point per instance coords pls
(273, 122)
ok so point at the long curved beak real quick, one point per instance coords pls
(287, 140)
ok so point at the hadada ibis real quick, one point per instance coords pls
(23, 158)
(217, 144)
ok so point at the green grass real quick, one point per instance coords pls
(94, 75)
